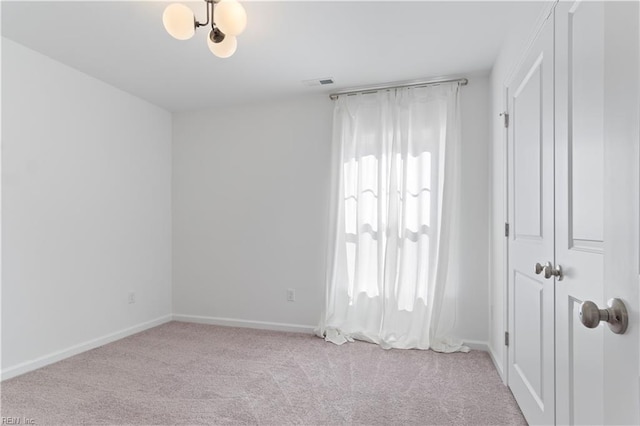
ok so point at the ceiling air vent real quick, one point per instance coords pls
(318, 81)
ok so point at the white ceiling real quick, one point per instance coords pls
(356, 43)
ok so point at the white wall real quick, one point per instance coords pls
(251, 187)
(86, 211)
(472, 295)
(513, 49)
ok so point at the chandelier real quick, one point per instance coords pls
(230, 21)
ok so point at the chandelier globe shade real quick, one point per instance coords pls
(179, 21)
(225, 48)
(230, 17)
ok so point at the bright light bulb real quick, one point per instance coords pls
(179, 21)
(230, 17)
(225, 48)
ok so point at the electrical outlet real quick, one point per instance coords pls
(291, 295)
(132, 297)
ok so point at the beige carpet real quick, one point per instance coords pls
(181, 373)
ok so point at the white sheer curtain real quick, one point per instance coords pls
(391, 272)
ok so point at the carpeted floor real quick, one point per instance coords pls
(181, 373)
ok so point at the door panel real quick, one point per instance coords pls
(585, 95)
(582, 403)
(579, 184)
(527, 151)
(528, 331)
(531, 296)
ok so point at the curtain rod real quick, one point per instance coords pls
(416, 83)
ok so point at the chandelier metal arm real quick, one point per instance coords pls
(210, 4)
(213, 11)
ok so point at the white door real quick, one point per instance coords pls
(597, 99)
(595, 176)
(579, 209)
(531, 219)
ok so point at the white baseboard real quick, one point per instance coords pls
(476, 345)
(498, 365)
(31, 365)
(231, 322)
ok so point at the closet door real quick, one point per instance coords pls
(596, 208)
(580, 68)
(531, 218)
